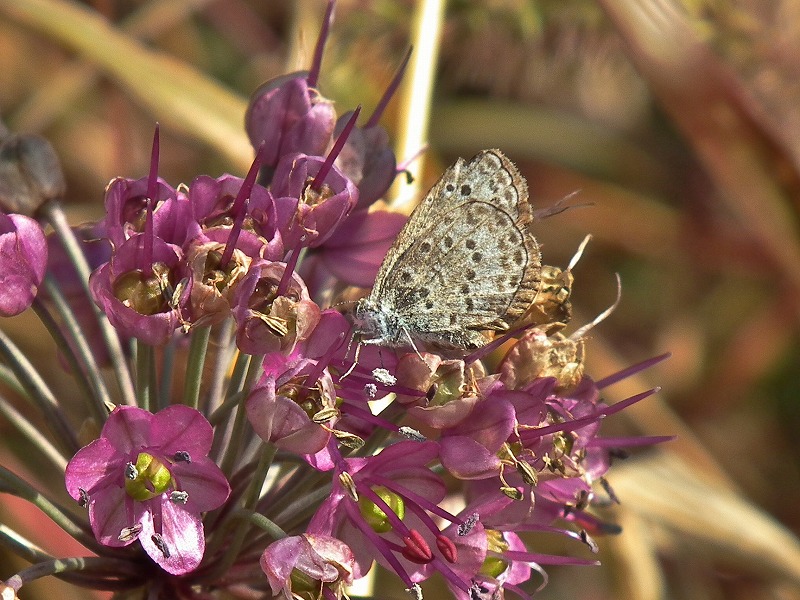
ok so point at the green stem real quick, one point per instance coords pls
(47, 565)
(19, 487)
(167, 375)
(144, 381)
(195, 363)
(303, 507)
(225, 349)
(270, 527)
(84, 352)
(250, 501)
(40, 393)
(33, 435)
(67, 351)
(237, 434)
(7, 377)
(233, 392)
(54, 214)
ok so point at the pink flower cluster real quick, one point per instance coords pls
(274, 453)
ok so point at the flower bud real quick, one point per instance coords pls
(30, 173)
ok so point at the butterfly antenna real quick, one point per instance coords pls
(579, 253)
(559, 207)
(602, 316)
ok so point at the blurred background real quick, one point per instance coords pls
(677, 122)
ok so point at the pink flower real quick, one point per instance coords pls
(23, 258)
(148, 478)
(310, 560)
(138, 302)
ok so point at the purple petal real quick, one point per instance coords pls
(90, 465)
(181, 428)
(182, 532)
(128, 429)
(467, 459)
(111, 511)
(205, 483)
(32, 244)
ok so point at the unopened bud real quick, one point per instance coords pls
(30, 173)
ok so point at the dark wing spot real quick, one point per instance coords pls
(470, 244)
(469, 274)
(477, 257)
(470, 304)
(405, 277)
(465, 289)
(429, 304)
(518, 257)
(449, 187)
(425, 247)
(466, 190)
(448, 241)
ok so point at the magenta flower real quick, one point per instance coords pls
(284, 408)
(142, 302)
(148, 478)
(289, 114)
(266, 320)
(307, 563)
(310, 211)
(126, 211)
(215, 211)
(23, 258)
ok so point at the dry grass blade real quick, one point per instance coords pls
(177, 95)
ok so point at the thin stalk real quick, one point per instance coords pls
(240, 367)
(250, 501)
(59, 566)
(54, 214)
(222, 358)
(145, 388)
(84, 352)
(302, 509)
(33, 435)
(237, 434)
(38, 391)
(19, 487)
(167, 375)
(7, 377)
(294, 488)
(61, 342)
(198, 348)
(270, 527)
(224, 409)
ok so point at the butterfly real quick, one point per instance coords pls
(465, 262)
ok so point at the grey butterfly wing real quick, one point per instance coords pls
(466, 260)
(488, 175)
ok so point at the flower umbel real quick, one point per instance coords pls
(237, 451)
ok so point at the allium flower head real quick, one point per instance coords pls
(255, 446)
